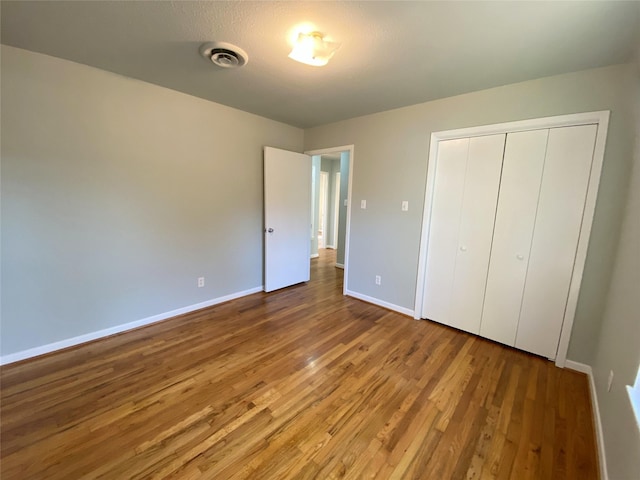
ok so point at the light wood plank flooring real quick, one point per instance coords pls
(301, 383)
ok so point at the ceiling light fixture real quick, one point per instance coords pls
(313, 49)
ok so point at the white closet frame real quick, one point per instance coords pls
(601, 119)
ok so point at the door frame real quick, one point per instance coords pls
(350, 149)
(599, 118)
(323, 207)
(336, 209)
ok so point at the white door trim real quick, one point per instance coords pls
(601, 119)
(350, 149)
(336, 209)
(323, 208)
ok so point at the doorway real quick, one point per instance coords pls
(332, 170)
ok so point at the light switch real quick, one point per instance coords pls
(363, 204)
(405, 206)
(345, 202)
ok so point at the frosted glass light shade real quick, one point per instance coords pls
(312, 49)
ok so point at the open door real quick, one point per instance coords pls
(287, 218)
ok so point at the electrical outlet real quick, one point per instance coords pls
(200, 282)
(378, 280)
(610, 381)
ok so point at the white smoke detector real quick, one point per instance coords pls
(224, 54)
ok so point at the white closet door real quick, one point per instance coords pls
(515, 218)
(444, 228)
(482, 180)
(560, 209)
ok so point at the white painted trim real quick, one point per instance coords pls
(578, 367)
(87, 337)
(330, 247)
(315, 255)
(336, 208)
(324, 151)
(350, 149)
(601, 119)
(323, 207)
(340, 265)
(583, 239)
(426, 224)
(380, 303)
(569, 120)
(602, 457)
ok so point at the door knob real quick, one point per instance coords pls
(520, 257)
(270, 230)
(463, 249)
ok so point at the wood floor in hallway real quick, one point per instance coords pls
(300, 383)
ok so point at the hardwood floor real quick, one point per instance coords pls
(301, 383)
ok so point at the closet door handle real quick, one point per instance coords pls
(520, 257)
(463, 249)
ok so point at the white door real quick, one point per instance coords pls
(287, 218)
(450, 170)
(515, 218)
(546, 199)
(565, 180)
(476, 231)
(464, 205)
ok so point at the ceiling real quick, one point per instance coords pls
(393, 54)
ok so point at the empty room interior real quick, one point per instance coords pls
(287, 240)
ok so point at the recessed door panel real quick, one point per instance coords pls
(444, 228)
(478, 213)
(562, 196)
(515, 219)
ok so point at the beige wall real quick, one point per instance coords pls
(391, 153)
(618, 345)
(117, 195)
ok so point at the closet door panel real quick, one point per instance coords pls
(482, 181)
(560, 209)
(444, 228)
(515, 218)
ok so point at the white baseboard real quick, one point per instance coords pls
(87, 337)
(340, 265)
(602, 458)
(578, 367)
(315, 255)
(330, 247)
(380, 303)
